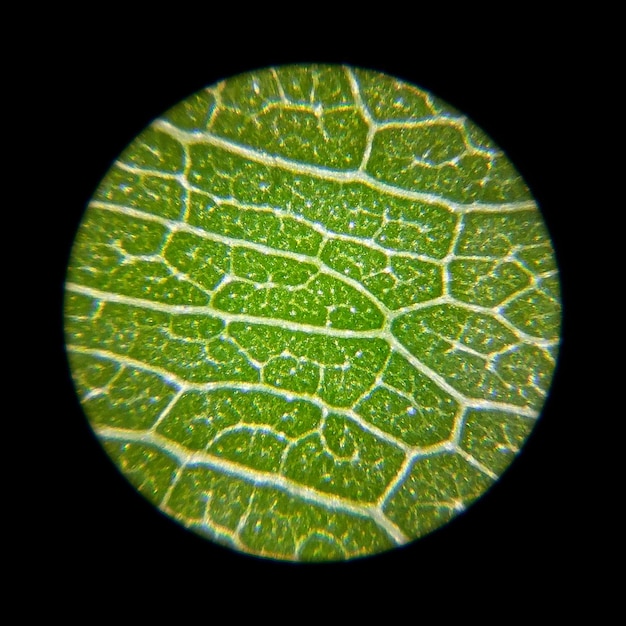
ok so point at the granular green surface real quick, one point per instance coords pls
(312, 312)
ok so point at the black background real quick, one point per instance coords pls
(524, 542)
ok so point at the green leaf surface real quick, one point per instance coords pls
(312, 312)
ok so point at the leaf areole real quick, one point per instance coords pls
(312, 313)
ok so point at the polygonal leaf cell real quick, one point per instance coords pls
(312, 312)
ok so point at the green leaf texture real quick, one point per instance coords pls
(312, 312)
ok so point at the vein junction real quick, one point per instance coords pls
(293, 289)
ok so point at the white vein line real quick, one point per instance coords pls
(167, 410)
(382, 334)
(176, 478)
(209, 527)
(477, 464)
(252, 429)
(390, 314)
(166, 375)
(258, 478)
(433, 120)
(492, 405)
(279, 86)
(185, 385)
(379, 334)
(457, 395)
(457, 428)
(243, 520)
(318, 227)
(351, 176)
(398, 480)
(476, 308)
(243, 243)
(187, 309)
(412, 453)
(458, 122)
(314, 225)
(362, 108)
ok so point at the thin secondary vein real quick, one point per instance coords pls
(447, 387)
(128, 361)
(244, 243)
(258, 478)
(477, 464)
(319, 228)
(314, 225)
(324, 173)
(362, 108)
(187, 309)
(476, 308)
(185, 385)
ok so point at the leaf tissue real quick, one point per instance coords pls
(312, 312)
